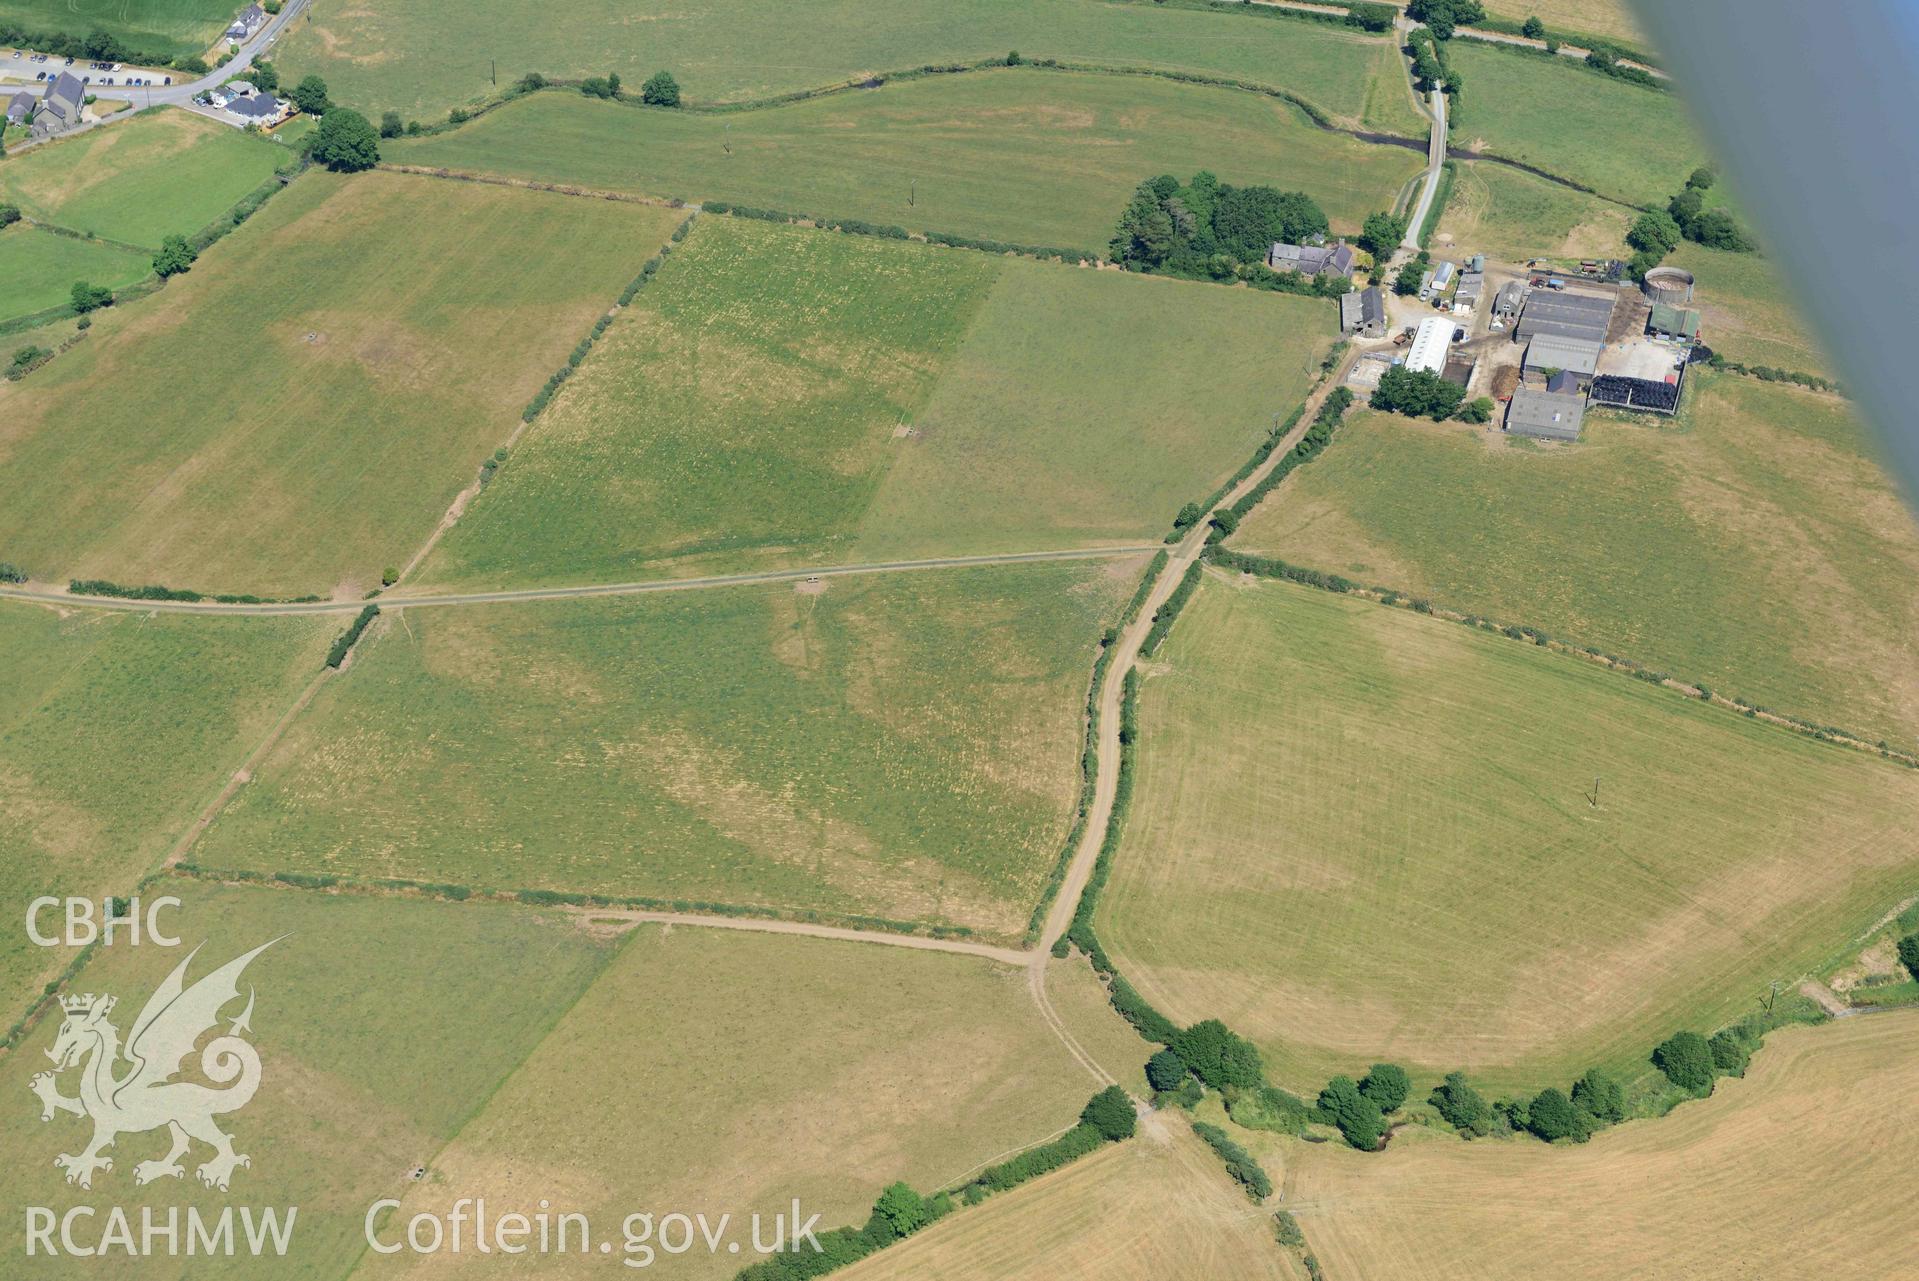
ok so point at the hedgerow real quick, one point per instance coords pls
(1240, 1163)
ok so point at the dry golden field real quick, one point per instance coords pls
(1799, 1171)
(1156, 1208)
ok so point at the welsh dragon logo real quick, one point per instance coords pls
(145, 1096)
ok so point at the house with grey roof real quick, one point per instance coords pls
(1363, 313)
(248, 22)
(61, 106)
(19, 107)
(1312, 260)
(1511, 297)
(258, 109)
(1544, 415)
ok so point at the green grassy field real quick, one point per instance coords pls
(382, 1026)
(1030, 156)
(1512, 215)
(1622, 140)
(1756, 546)
(161, 173)
(1089, 406)
(734, 50)
(1746, 312)
(740, 414)
(748, 412)
(1363, 834)
(903, 745)
(171, 27)
(298, 411)
(728, 1073)
(114, 731)
(38, 269)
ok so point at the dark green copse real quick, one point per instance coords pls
(1599, 1096)
(1687, 1061)
(346, 142)
(1357, 1116)
(1219, 1056)
(1387, 1085)
(1111, 1113)
(1166, 1070)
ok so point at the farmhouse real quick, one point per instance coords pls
(1311, 260)
(247, 22)
(1363, 313)
(1431, 345)
(1565, 315)
(1544, 415)
(60, 106)
(1668, 321)
(1549, 353)
(19, 107)
(260, 109)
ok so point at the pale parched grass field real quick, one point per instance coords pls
(1159, 1207)
(783, 397)
(739, 415)
(1361, 834)
(297, 412)
(114, 731)
(382, 1025)
(1756, 546)
(719, 1072)
(1025, 155)
(735, 50)
(904, 746)
(1795, 1173)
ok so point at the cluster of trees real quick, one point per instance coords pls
(1381, 235)
(1411, 272)
(1209, 229)
(660, 89)
(1657, 232)
(1693, 1062)
(1596, 1101)
(310, 95)
(1417, 393)
(343, 643)
(1443, 16)
(345, 142)
(88, 297)
(1359, 1108)
(1431, 70)
(175, 256)
(1909, 954)
(9, 214)
(1209, 1051)
(1371, 16)
(97, 45)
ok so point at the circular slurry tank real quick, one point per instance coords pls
(1668, 285)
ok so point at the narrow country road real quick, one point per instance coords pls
(1435, 158)
(401, 601)
(1106, 744)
